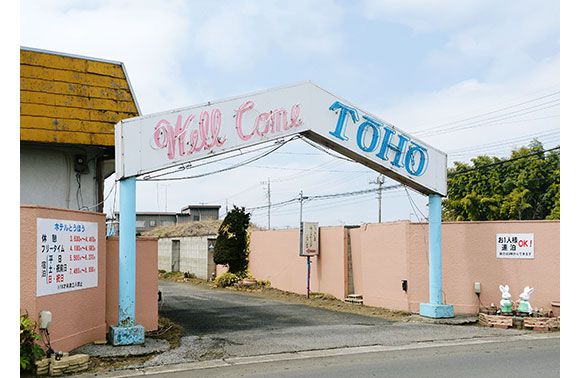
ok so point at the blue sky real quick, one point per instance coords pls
(468, 77)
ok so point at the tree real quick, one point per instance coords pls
(524, 186)
(232, 244)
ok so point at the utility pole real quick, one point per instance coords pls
(380, 180)
(269, 199)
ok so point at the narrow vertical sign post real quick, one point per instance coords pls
(308, 246)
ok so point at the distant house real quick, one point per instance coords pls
(187, 247)
(199, 213)
(147, 221)
(69, 106)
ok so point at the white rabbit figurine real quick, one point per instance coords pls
(525, 305)
(506, 299)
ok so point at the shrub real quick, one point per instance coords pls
(232, 243)
(29, 350)
(226, 279)
(263, 283)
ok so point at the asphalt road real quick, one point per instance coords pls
(223, 324)
(529, 358)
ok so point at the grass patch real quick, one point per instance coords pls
(167, 330)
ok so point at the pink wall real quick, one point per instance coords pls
(274, 257)
(82, 316)
(78, 317)
(147, 282)
(385, 254)
(469, 255)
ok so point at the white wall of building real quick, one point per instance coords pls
(47, 177)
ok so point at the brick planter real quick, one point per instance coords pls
(496, 321)
(542, 324)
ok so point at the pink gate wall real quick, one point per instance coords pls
(469, 256)
(83, 316)
(274, 257)
(78, 317)
(147, 282)
(385, 254)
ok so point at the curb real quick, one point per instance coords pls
(232, 361)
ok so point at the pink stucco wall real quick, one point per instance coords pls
(82, 316)
(274, 257)
(385, 254)
(147, 282)
(78, 317)
(469, 255)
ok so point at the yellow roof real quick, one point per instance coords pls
(72, 99)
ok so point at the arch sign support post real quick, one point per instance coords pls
(178, 137)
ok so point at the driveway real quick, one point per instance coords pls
(222, 324)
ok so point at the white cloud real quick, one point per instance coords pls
(236, 35)
(441, 108)
(501, 38)
(147, 36)
(425, 15)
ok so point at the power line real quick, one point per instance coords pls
(489, 121)
(500, 162)
(539, 134)
(149, 178)
(488, 113)
(326, 151)
(327, 196)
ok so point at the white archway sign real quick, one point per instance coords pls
(153, 142)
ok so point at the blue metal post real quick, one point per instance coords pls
(435, 308)
(127, 332)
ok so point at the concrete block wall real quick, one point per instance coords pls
(194, 256)
(164, 254)
(193, 251)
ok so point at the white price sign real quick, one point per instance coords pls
(514, 246)
(309, 239)
(66, 257)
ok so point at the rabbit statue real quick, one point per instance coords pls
(506, 300)
(524, 305)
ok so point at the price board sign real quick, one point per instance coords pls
(514, 246)
(309, 242)
(66, 257)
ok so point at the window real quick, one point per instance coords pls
(140, 223)
(152, 223)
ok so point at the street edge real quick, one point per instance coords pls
(277, 357)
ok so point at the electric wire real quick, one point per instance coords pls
(103, 201)
(485, 122)
(238, 165)
(540, 134)
(419, 131)
(500, 162)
